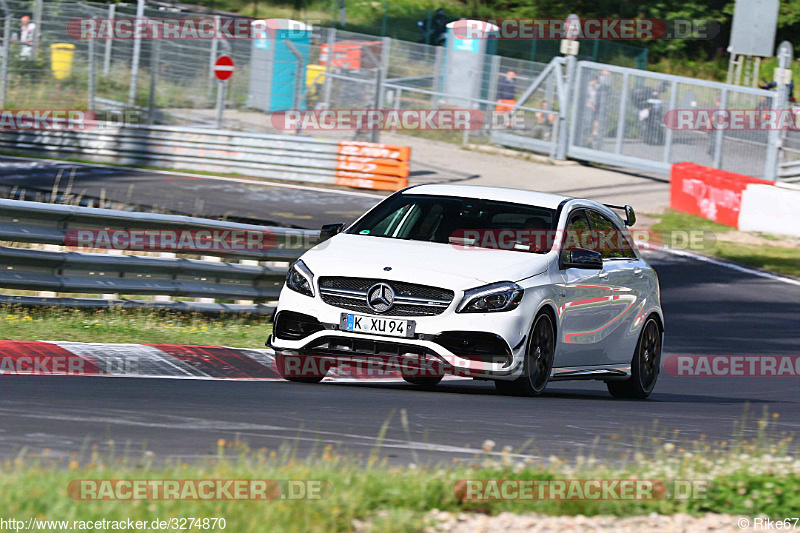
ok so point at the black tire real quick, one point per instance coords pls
(280, 363)
(427, 382)
(538, 361)
(645, 365)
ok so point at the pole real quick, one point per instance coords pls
(385, 20)
(92, 75)
(107, 53)
(6, 57)
(151, 101)
(37, 19)
(212, 58)
(780, 103)
(381, 69)
(221, 88)
(137, 50)
(719, 133)
(328, 79)
(564, 111)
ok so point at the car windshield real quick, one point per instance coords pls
(467, 222)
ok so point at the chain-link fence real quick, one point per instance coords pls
(619, 116)
(616, 114)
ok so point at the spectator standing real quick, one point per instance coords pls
(507, 92)
(26, 35)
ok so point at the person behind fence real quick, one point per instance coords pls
(506, 93)
(26, 36)
(543, 122)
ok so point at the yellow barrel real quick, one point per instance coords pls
(61, 59)
(312, 71)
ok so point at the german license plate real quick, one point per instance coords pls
(377, 325)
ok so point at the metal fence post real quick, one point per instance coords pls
(381, 70)
(623, 109)
(772, 159)
(137, 49)
(107, 53)
(212, 58)
(673, 102)
(151, 100)
(494, 75)
(438, 65)
(6, 57)
(91, 94)
(719, 138)
(37, 19)
(565, 112)
(221, 90)
(329, 79)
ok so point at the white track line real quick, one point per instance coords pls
(733, 266)
(204, 176)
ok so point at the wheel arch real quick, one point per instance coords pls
(659, 320)
(549, 308)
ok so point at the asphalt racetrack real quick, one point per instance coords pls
(710, 309)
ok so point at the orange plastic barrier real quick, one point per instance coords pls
(383, 167)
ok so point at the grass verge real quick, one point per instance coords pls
(755, 477)
(132, 326)
(674, 227)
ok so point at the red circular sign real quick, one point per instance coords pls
(223, 68)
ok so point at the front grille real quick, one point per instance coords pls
(411, 299)
(355, 346)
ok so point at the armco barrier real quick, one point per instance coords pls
(709, 192)
(287, 157)
(94, 273)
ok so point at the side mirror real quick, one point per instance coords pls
(581, 258)
(630, 216)
(329, 230)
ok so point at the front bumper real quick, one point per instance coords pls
(510, 327)
(453, 364)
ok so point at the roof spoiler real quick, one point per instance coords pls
(630, 215)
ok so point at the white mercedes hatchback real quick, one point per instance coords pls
(514, 286)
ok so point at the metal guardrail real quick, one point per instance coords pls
(287, 157)
(97, 273)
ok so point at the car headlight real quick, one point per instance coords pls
(300, 279)
(503, 296)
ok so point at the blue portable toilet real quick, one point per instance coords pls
(469, 47)
(274, 66)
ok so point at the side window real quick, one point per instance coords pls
(612, 242)
(577, 234)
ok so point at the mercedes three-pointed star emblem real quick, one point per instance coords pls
(380, 297)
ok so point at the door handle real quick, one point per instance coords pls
(637, 272)
(603, 275)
